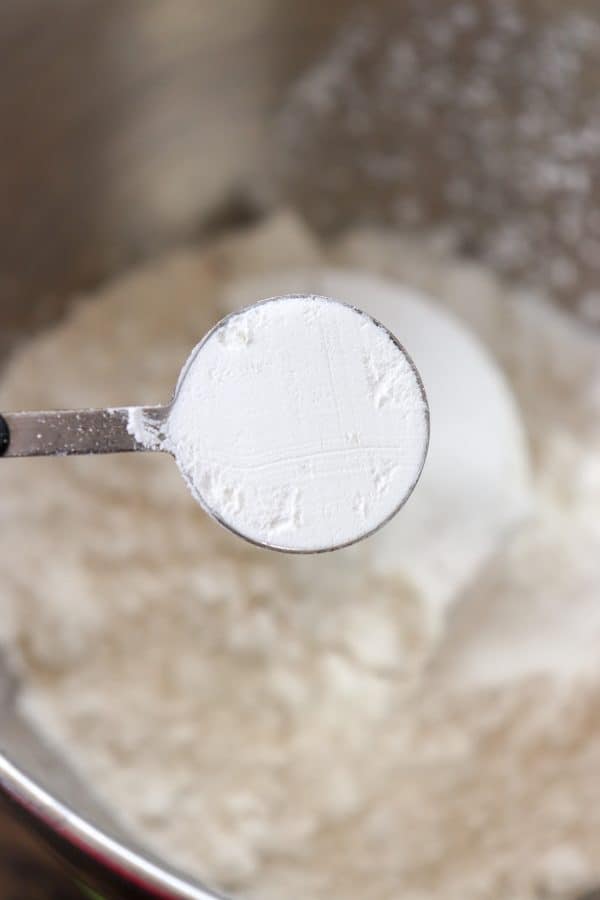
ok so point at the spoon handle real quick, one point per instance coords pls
(75, 431)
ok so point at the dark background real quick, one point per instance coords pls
(27, 871)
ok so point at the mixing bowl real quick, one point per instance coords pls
(130, 126)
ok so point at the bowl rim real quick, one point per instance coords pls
(83, 844)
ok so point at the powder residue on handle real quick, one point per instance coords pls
(300, 422)
(142, 429)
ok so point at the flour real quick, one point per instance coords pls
(417, 715)
(299, 423)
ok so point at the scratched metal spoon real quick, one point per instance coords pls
(299, 461)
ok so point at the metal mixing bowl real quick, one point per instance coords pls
(129, 125)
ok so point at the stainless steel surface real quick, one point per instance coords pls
(125, 125)
(75, 432)
(26, 793)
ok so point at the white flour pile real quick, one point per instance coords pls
(267, 721)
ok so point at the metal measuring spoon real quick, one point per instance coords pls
(299, 423)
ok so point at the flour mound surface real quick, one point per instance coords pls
(310, 727)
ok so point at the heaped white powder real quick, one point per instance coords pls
(299, 423)
(269, 721)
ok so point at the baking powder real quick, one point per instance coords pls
(300, 423)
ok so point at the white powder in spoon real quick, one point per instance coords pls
(299, 423)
